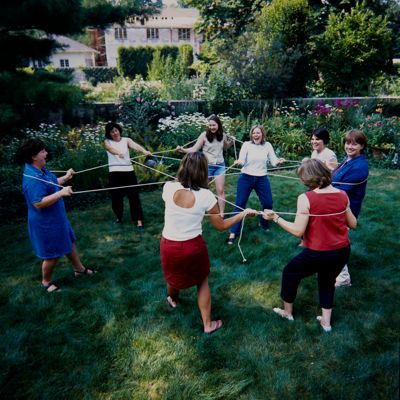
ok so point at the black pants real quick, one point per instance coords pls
(327, 265)
(117, 196)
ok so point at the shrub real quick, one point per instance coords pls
(141, 107)
(134, 61)
(100, 74)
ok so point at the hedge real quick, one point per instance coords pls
(100, 74)
(134, 61)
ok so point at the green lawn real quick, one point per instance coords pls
(112, 336)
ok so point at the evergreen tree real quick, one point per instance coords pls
(26, 31)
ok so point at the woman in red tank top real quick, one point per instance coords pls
(322, 219)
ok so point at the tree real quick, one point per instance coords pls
(26, 29)
(354, 48)
(225, 18)
(270, 59)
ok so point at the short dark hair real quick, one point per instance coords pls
(314, 174)
(220, 132)
(110, 126)
(356, 136)
(29, 149)
(193, 171)
(322, 134)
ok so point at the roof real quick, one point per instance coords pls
(72, 46)
(168, 17)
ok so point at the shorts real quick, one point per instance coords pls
(216, 169)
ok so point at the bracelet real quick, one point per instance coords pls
(276, 219)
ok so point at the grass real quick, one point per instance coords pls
(112, 336)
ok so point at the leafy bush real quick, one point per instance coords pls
(134, 61)
(353, 50)
(100, 74)
(141, 107)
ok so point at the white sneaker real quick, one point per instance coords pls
(326, 328)
(346, 282)
(283, 314)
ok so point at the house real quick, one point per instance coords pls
(72, 55)
(173, 26)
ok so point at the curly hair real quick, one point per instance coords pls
(110, 126)
(29, 149)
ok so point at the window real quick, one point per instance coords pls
(38, 64)
(120, 33)
(64, 63)
(152, 33)
(184, 33)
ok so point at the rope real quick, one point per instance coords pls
(234, 147)
(153, 169)
(227, 169)
(117, 187)
(43, 180)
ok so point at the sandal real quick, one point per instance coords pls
(230, 240)
(171, 302)
(86, 271)
(283, 314)
(49, 286)
(215, 326)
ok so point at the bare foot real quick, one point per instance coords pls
(214, 326)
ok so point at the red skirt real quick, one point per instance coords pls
(185, 264)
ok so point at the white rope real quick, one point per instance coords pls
(227, 169)
(117, 187)
(153, 169)
(167, 158)
(43, 180)
(347, 183)
(91, 169)
(310, 215)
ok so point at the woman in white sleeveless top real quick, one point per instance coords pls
(183, 251)
(212, 143)
(121, 173)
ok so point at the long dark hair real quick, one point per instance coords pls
(219, 135)
(193, 171)
(29, 149)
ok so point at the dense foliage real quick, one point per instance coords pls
(354, 48)
(100, 74)
(134, 61)
(26, 29)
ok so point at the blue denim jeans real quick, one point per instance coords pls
(246, 184)
(216, 169)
